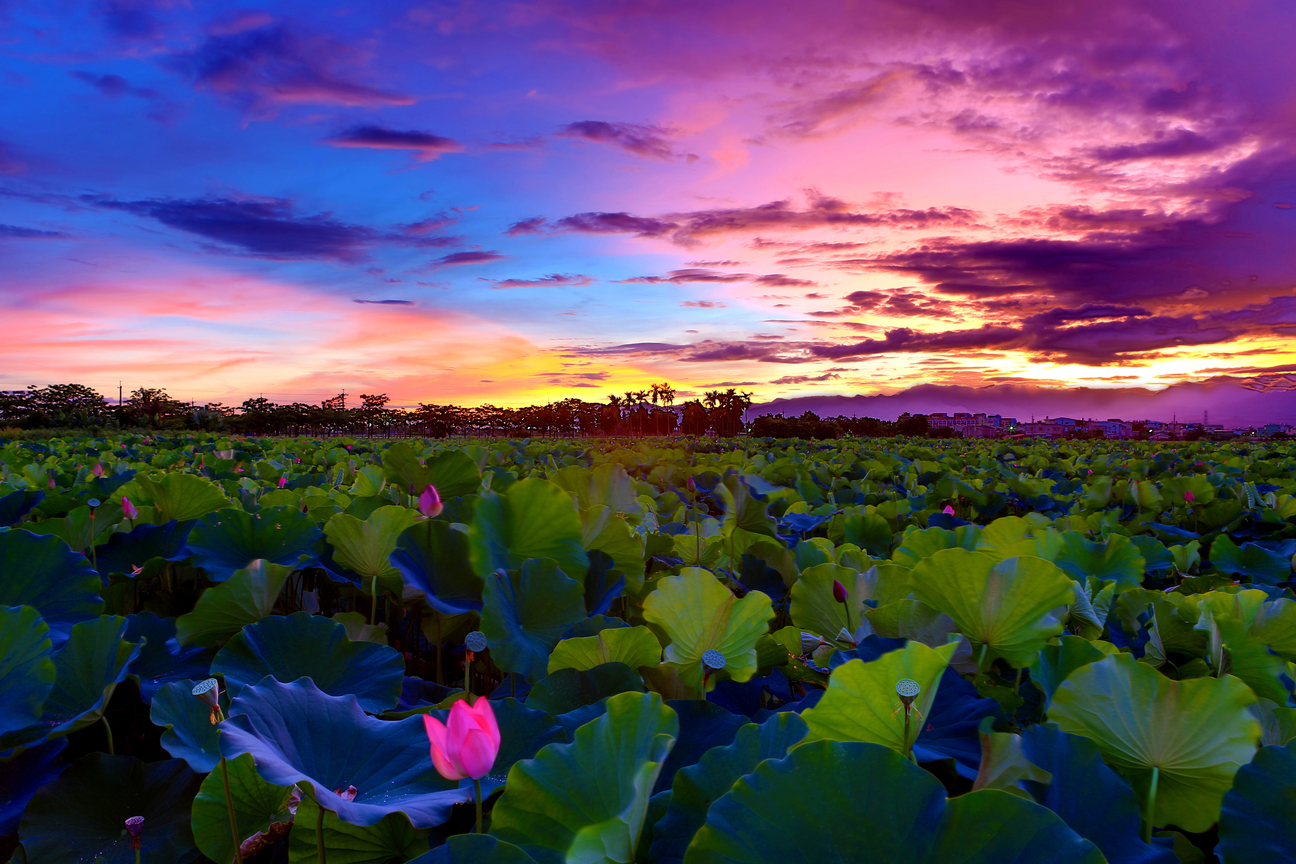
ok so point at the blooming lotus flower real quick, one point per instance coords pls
(466, 746)
(128, 509)
(97, 470)
(1189, 497)
(283, 481)
(429, 503)
(948, 511)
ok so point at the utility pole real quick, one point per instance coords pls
(119, 392)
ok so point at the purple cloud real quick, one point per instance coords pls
(456, 258)
(647, 141)
(15, 232)
(387, 302)
(9, 161)
(425, 145)
(703, 304)
(552, 280)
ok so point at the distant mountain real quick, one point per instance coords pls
(1229, 401)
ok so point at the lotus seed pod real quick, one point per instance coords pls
(207, 692)
(810, 642)
(713, 659)
(475, 641)
(908, 689)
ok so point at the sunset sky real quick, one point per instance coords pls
(511, 202)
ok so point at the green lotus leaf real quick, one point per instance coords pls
(81, 815)
(1117, 559)
(257, 805)
(1144, 495)
(910, 619)
(366, 546)
(452, 472)
(1277, 725)
(1194, 734)
(1017, 536)
(870, 532)
(1230, 649)
(1251, 560)
(1006, 608)
(633, 646)
(369, 482)
(1004, 764)
(744, 512)
(177, 496)
(188, 732)
(1258, 819)
(26, 670)
(1055, 662)
(813, 606)
(359, 630)
(525, 613)
(919, 543)
(696, 786)
(301, 645)
(432, 558)
(861, 703)
(586, 801)
(698, 614)
(245, 598)
(1275, 626)
(475, 849)
(568, 689)
(42, 572)
(533, 518)
(607, 485)
(229, 540)
(604, 530)
(1174, 488)
(392, 838)
(848, 801)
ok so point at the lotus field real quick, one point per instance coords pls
(697, 651)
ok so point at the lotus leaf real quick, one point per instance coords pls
(257, 805)
(633, 646)
(568, 689)
(42, 572)
(910, 619)
(475, 849)
(1116, 559)
(26, 669)
(920, 543)
(22, 775)
(188, 732)
(1192, 734)
(366, 547)
(229, 540)
(533, 518)
(392, 838)
(1055, 662)
(525, 613)
(301, 645)
(161, 659)
(702, 725)
(175, 496)
(16, 505)
(1258, 821)
(1004, 764)
(1259, 564)
(124, 552)
(813, 606)
(433, 558)
(452, 472)
(606, 532)
(245, 598)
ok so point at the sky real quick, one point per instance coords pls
(513, 202)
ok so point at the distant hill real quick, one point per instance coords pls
(1230, 401)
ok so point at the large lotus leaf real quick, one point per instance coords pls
(607, 485)
(1014, 536)
(1055, 662)
(1261, 565)
(26, 669)
(698, 614)
(525, 613)
(433, 558)
(696, 786)
(1195, 733)
(533, 518)
(369, 482)
(744, 512)
(1258, 820)
(586, 801)
(606, 532)
(1090, 797)
(245, 598)
(523, 731)
(1005, 608)
(633, 646)
(813, 606)
(1116, 559)
(229, 540)
(1275, 625)
(949, 730)
(301, 645)
(861, 701)
(1003, 763)
(188, 732)
(568, 689)
(174, 495)
(839, 801)
(22, 775)
(392, 838)
(452, 472)
(603, 584)
(475, 849)
(126, 551)
(366, 547)
(161, 659)
(1232, 649)
(16, 505)
(257, 805)
(910, 619)
(81, 816)
(298, 733)
(919, 543)
(702, 725)
(42, 572)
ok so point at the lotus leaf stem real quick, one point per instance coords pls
(981, 659)
(476, 794)
(319, 832)
(373, 603)
(1151, 805)
(108, 732)
(229, 808)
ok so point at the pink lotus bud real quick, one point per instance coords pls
(467, 745)
(839, 592)
(52, 484)
(429, 503)
(128, 509)
(1189, 497)
(283, 481)
(97, 470)
(692, 487)
(948, 511)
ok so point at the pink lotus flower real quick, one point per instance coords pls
(839, 592)
(283, 481)
(467, 745)
(948, 511)
(429, 503)
(128, 509)
(97, 470)
(1189, 497)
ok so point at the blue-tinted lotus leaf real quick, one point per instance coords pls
(301, 645)
(569, 689)
(864, 803)
(1116, 559)
(433, 558)
(161, 658)
(1252, 560)
(1258, 820)
(593, 625)
(475, 849)
(533, 518)
(392, 838)
(22, 775)
(81, 816)
(224, 609)
(1090, 797)
(16, 505)
(188, 732)
(702, 725)
(696, 786)
(1055, 662)
(229, 540)
(526, 611)
(586, 801)
(42, 572)
(603, 583)
(523, 731)
(452, 472)
(174, 495)
(298, 733)
(949, 730)
(26, 668)
(257, 805)
(125, 551)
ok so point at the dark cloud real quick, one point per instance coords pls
(108, 85)
(16, 232)
(614, 223)
(778, 280)
(425, 145)
(130, 20)
(550, 281)
(806, 379)
(696, 274)
(1178, 143)
(534, 225)
(651, 142)
(455, 258)
(387, 302)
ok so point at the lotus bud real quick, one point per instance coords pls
(844, 635)
(97, 470)
(1189, 497)
(811, 643)
(908, 690)
(129, 510)
(283, 481)
(52, 484)
(429, 503)
(840, 593)
(692, 487)
(133, 827)
(948, 511)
